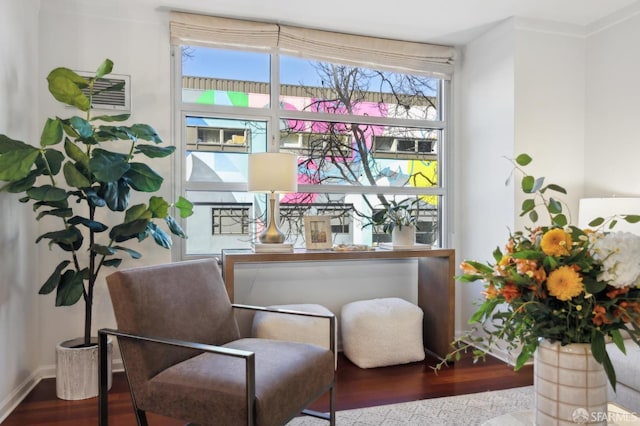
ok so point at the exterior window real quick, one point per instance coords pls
(231, 219)
(363, 137)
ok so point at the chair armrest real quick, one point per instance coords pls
(281, 311)
(331, 317)
(248, 356)
(182, 343)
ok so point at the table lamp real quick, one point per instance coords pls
(272, 172)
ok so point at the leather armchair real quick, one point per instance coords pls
(184, 357)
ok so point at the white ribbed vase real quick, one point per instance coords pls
(570, 386)
(77, 369)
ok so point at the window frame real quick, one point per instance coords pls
(272, 117)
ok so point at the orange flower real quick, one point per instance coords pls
(509, 292)
(600, 316)
(615, 292)
(565, 283)
(525, 265)
(490, 292)
(556, 242)
(468, 269)
(540, 275)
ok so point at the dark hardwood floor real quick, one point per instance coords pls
(355, 388)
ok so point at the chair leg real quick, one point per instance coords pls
(332, 407)
(103, 402)
(141, 417)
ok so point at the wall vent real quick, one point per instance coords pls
(118, 100)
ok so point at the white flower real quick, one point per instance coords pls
(619, 254)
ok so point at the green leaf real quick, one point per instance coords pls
(75, 153)
(134, 254)
(555, 206)
(139, 211)
(111, 118)
(7, 144)
(70, 289)
(83, 128)
(65, 85)
(174, 227)
(105, 68)
(108, 166)
(533, 216)
(93, 225)
(527, 184)
(560, 220)
(22, 184)
(116, 194)
(112, 262)
(158, 207)
(556, 188)
(67, 239)
(54, 161)
(126, 231)
(47, 193)
(528, 205)
(74, 177)
(618, 340)
(51, 133)
(523, 159)
(153, 151)
(142, 178)
(56, 213)
(159, 236)
(593, 286)
(54, 279)
(15, 165)
(103, 250)
(146, 132)
(596, 222)
(185, 206)
(632, 218)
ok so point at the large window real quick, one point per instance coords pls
(365, 134)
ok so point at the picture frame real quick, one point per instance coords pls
(317, 232)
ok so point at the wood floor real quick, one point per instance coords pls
(355, 388)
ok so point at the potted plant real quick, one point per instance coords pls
(86, 165)
(398, 219)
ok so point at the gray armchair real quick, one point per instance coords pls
(184, 357)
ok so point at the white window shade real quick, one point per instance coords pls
(393, 55)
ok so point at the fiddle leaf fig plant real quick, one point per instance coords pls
(80, 180)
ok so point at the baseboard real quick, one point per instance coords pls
(21, 391)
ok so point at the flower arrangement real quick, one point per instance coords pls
(557, 282)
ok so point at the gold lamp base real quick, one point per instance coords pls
(271, 235)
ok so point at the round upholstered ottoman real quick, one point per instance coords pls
(295, 328)
(381, 332)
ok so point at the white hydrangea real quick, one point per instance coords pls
(619, 254)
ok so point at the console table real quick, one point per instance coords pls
(436, 285)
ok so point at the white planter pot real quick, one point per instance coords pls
(403, 237)
(570, 385)
(77, 369)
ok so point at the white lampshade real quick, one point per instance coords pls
(273, 171)
(591, 208)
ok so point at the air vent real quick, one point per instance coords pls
(118, 100)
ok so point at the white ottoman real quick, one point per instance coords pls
(381, 332)
(295, 328)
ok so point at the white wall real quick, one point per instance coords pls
(612, 136)
(520, 89)
(549, 108)
(484, 135)
(19, 329)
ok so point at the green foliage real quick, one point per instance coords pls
(555, 282)
(396, 214)
(93, 177)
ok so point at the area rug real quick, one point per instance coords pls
(461, 410)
